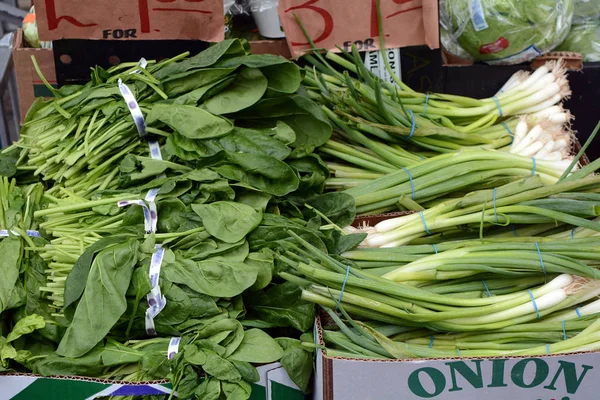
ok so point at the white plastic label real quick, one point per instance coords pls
(134, 108)
(477, 17)
(173, 347)
(374, 63)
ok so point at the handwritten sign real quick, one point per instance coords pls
(347, 22)
(130, 19)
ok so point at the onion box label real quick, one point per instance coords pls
(562, 377)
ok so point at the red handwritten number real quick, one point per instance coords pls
(145, 11)
(327, 18)
(374, 22)
(53, 21)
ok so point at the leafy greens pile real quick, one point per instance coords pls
(232, 175)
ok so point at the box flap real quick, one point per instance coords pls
(343, 22)
(131, 20)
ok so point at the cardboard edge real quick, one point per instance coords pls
(87, 379)
(371, 220)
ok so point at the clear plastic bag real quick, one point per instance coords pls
(586, 11)
(505, 31)
(263, 5)
(584, 39)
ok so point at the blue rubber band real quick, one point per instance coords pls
(512, 135)
(534, 303)
(534, 166)
(537, 246)
(430, 341)
(514, 230)
(487, 289)
(564, 330)
(547, 348)
(412, 183)
(343, 286)
(413, 124)
(573, 233)
(498, 106)
(577, 312)
(424, 223)
(426, 103)
(435, 248)
(494, 201)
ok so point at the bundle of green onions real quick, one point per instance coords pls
(436, 122)
(488, 305)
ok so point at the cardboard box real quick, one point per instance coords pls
(29, 83)
(332, 23)
(131, 20)
(274, 384)
(556, 377)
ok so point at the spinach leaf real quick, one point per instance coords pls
(257, 347)
(247, 89)
(11, 249)
(86, 365)
(191, 122)
(339, 207)
(202, 305)
(280, 131)
(209, 389)
(252, 197)
(297, 362)
(263, 262)
(261, 172)
(25, 326)
(282, 306)
(212, 277)
(204, 92)
(254, 142)
(186, 386)
(228, 221)
(284, 78)
(219, 367)
(178, 307)
(103, 301)
(347, 242)
(225, 49)
(188, 81)
(115, 353)
(248, 372)
(254, 61)
(77, 278)
(236, 390)
(8, 162)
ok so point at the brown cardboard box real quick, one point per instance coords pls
(29, 83)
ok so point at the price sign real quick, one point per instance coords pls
(375, 63)
(347, 22)
(130, 19)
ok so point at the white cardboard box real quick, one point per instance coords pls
(556, 377)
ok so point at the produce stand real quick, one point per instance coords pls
(291, 199)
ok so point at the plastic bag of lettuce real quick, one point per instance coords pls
(506, 31)
(584, 39)
(586, 11)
